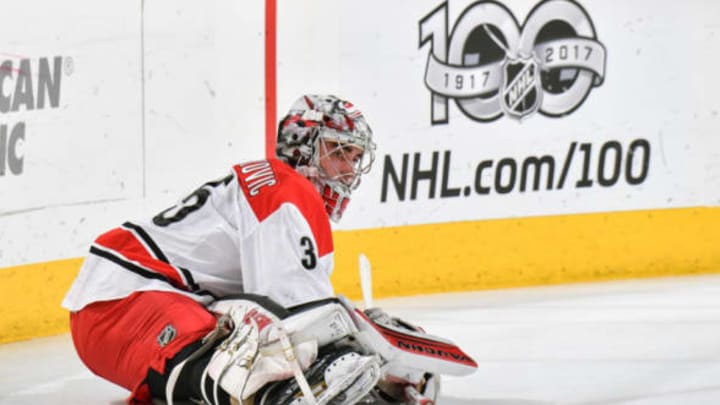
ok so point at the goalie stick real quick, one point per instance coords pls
(405, 352)
(365, 280)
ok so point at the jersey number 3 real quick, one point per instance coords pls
(309, 260)
(189, 204)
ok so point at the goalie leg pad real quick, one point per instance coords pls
(257, 351)
(260, 346)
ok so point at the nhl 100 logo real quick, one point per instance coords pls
(491, 65)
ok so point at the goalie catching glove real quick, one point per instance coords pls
(323, 352)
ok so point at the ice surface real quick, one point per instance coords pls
(649, 342)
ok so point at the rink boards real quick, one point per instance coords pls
(462, 256)
(586, 150)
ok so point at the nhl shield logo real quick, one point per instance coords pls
(167, 335)
(522, 90)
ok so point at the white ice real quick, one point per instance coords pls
(649, 342)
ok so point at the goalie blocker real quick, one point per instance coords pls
(320, 352)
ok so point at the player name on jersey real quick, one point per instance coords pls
(257, 175)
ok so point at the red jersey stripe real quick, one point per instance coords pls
(124, 243)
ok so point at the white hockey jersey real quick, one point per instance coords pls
(262, 229)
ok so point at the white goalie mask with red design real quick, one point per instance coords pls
(327, 140)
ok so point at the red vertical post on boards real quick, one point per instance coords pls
(270, 77)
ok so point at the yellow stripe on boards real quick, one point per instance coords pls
(518, 252)
(31, 295)
(460, 256)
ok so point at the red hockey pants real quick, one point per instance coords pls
(121, 340)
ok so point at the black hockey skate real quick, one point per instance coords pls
(337, 377)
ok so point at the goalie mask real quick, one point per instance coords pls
(327, 140)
